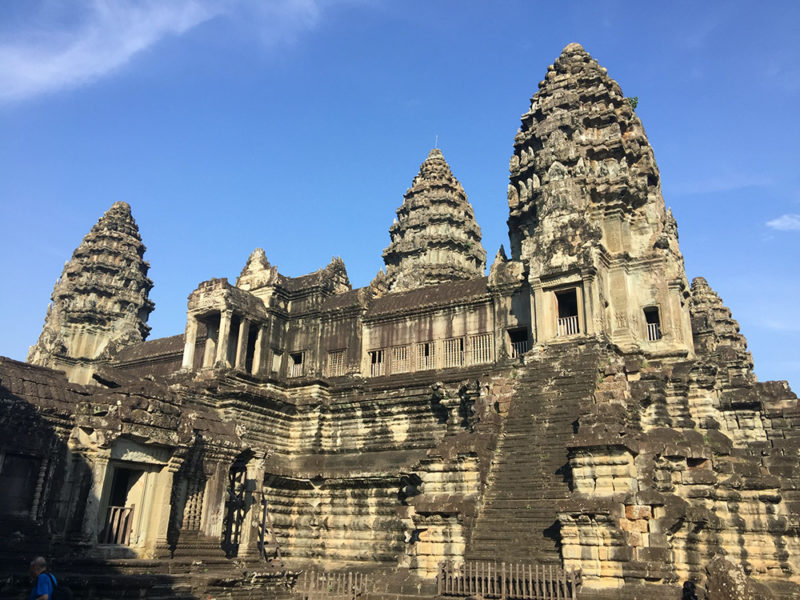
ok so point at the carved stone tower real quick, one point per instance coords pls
(587, 216)
(100, 301)
(435, 237)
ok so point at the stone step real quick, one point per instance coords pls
(524, 482)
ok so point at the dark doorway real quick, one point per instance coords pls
(518, 338)
(567, 323)
(119, 520)
(18, 475)
(295, 364)
(653, 322)
(376, 363)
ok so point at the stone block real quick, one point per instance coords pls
(699, 477)
(636, 511)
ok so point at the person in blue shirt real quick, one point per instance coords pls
(43, 582)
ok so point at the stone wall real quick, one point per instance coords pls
(676, 463)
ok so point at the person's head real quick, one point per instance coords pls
(38, 566)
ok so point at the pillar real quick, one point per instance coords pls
(93, 521)
(39, 489)
(214, 498)
(241, 346)
(223, 339)
(190, 341)
(499, 326)
(248, 542)
(258, 351)
(581, 299)
(210, 351)
(160, 505)
(591, 305)
(679, 322)
(539, 330)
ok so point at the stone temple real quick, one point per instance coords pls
(582, 421)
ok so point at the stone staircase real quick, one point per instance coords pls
(529, 471)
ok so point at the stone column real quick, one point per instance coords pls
(498, 326)
(581, 299)
(248, 543)
(93, 521)
(214, 498)
(210, 351)
(190, 341)
(224, 338)
(37, 492)
(539, 330)
(619, 297)
(258, 351)
(676, 318)
(591, 304)
(241, 346)
(156, 533)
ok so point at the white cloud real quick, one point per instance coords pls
(47, 55)
(788, 222)
(107, 37)
(782, 325)
(278, 20)
(719, 183)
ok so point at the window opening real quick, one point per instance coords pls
(400, 362)
(567, 312)
(295, 364)
(480, 348)
(336, 363)
(454, 352)
(519, 342)
(653, 323)
(376, 363)
(425, 356)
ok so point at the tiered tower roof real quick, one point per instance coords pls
(581, 154)
(102, 295)
(435, 237)
(715, 329)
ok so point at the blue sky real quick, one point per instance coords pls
(297, 125)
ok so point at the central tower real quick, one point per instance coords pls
(587, 219)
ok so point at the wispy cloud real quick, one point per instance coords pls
(782, 325)
(48, 52)
(788, 222)
(720, 183)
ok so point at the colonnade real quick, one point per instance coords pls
(220, 349)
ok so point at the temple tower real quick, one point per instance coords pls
(100, 301)
(435, 237)
(587, 218)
